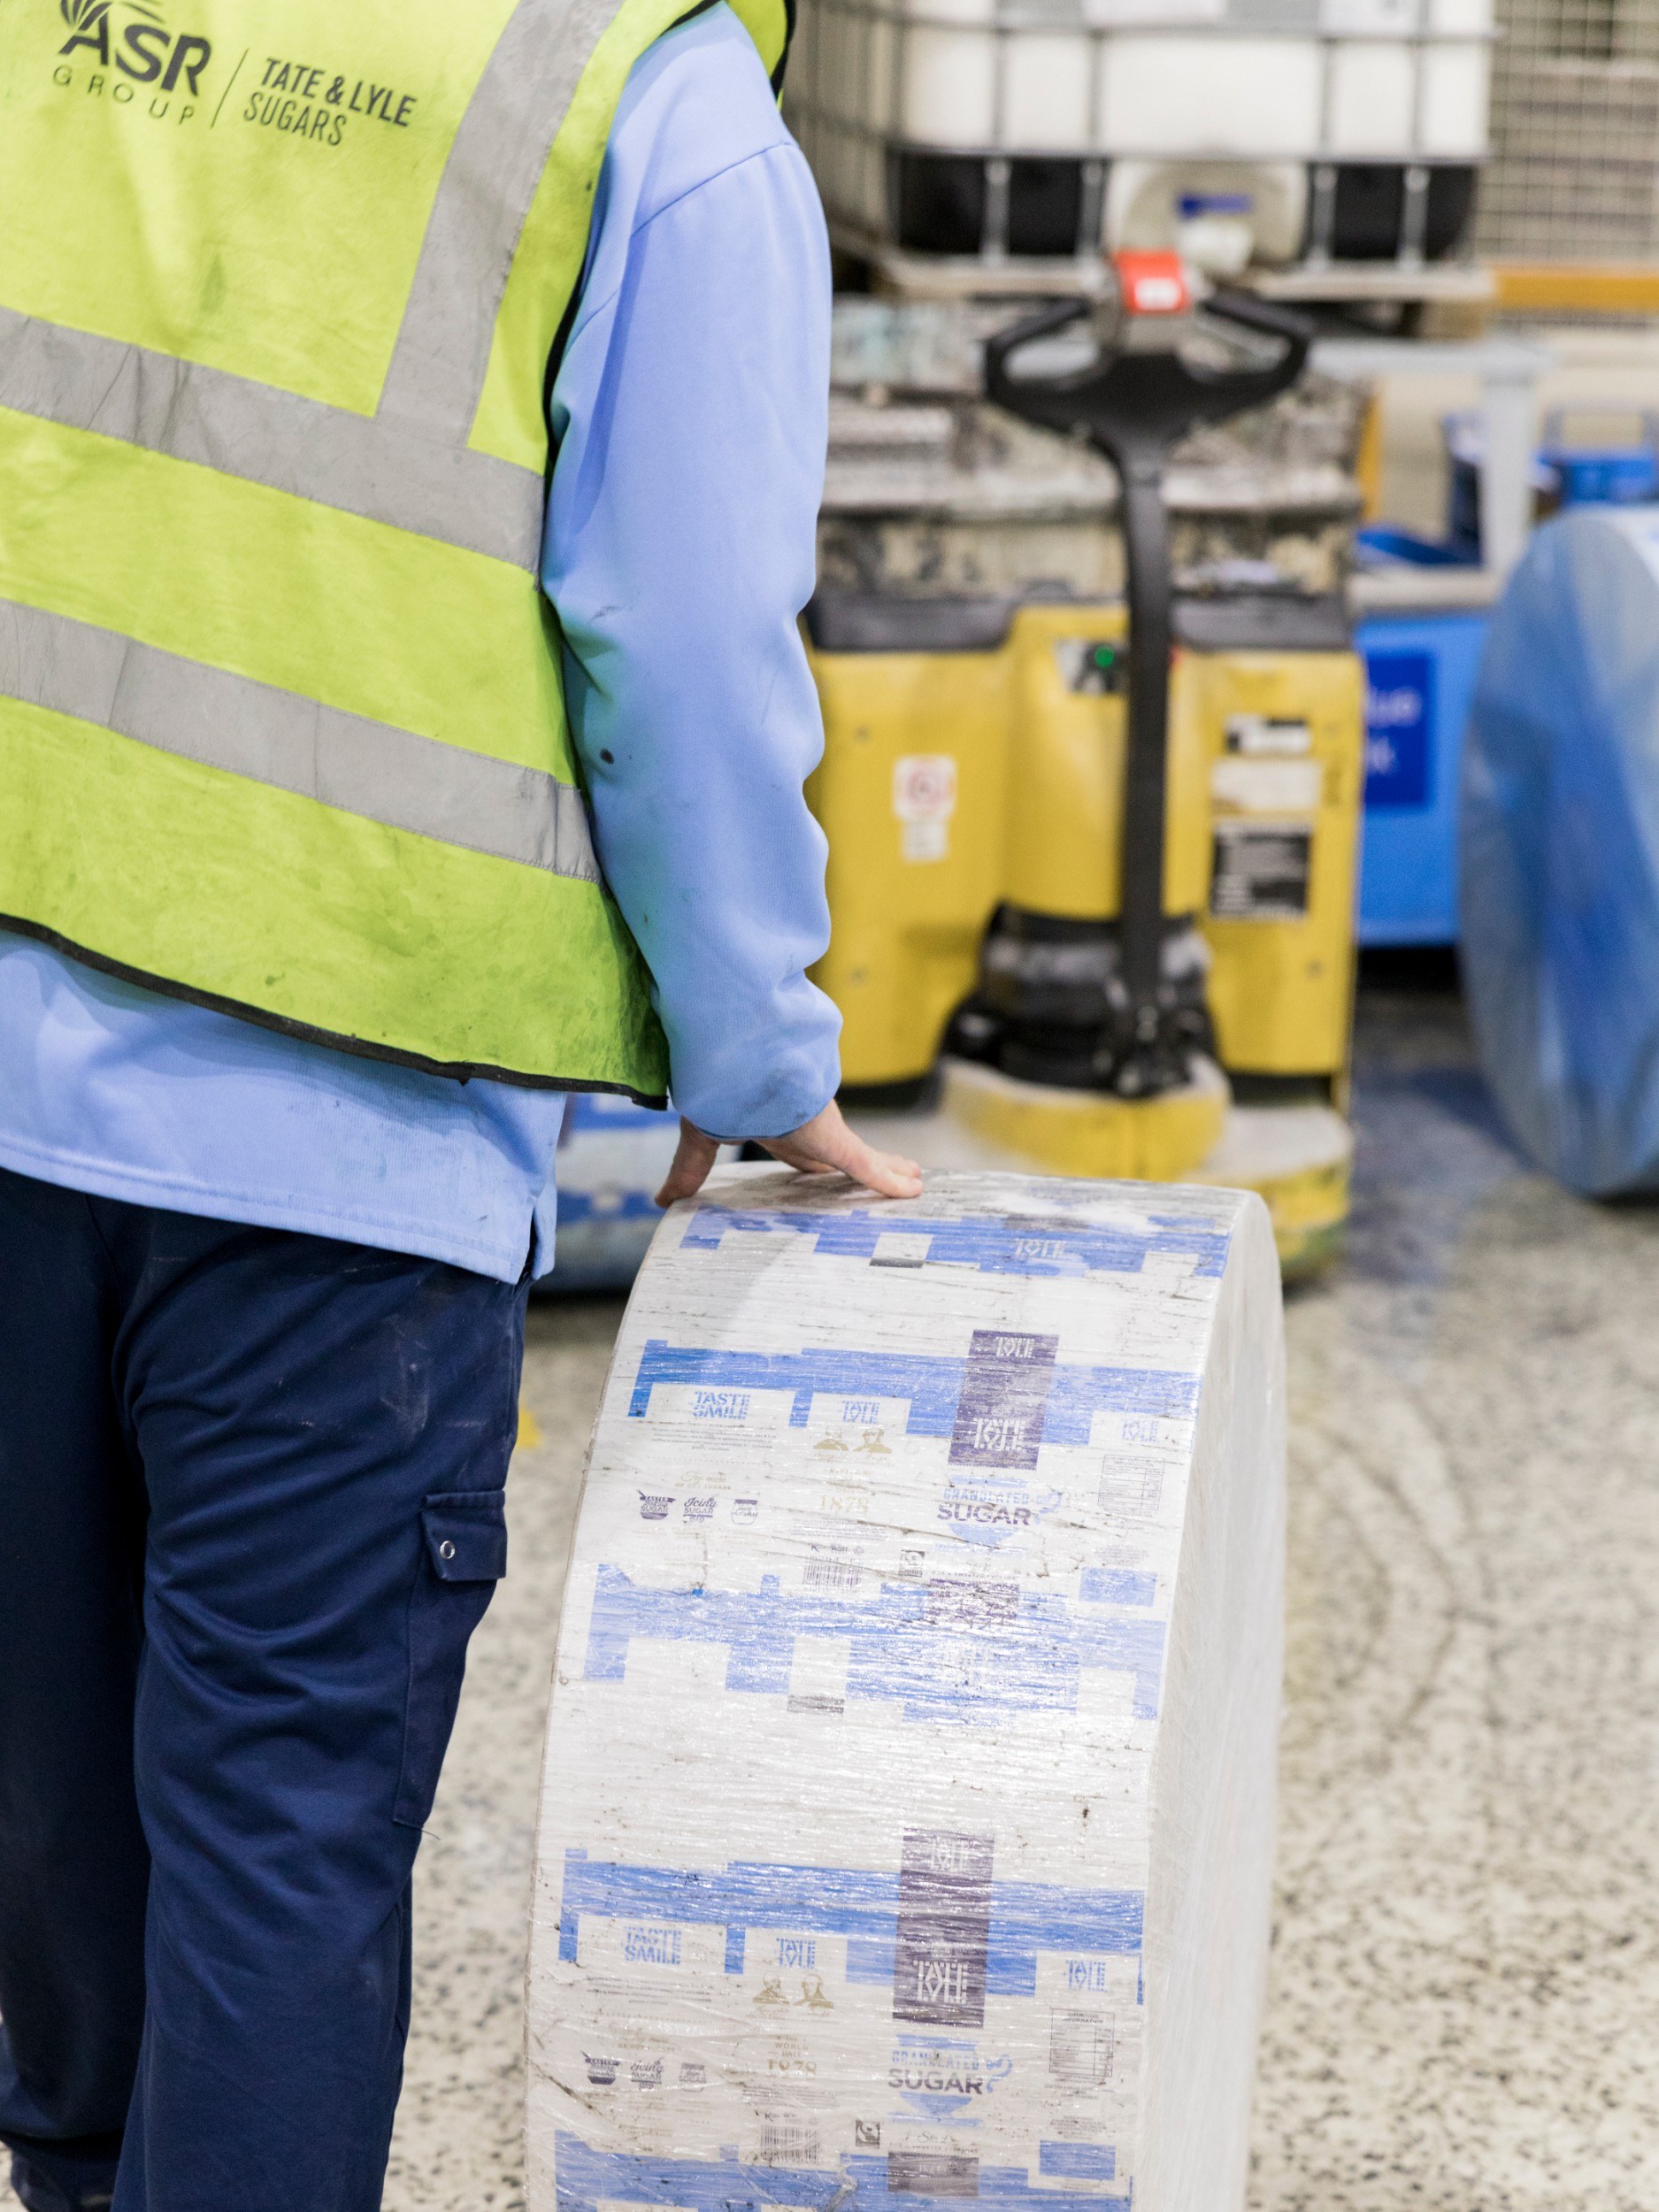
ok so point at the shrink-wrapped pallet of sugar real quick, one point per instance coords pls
(907, 1823)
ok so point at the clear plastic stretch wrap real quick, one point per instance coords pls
(907, 1823)
(1559, 899)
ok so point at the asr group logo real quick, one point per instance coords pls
(124, 43)
(116, 48)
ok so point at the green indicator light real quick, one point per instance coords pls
(1104, 655)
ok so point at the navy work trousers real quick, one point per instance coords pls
(251, 1492)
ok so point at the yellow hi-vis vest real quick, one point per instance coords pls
(281, 723)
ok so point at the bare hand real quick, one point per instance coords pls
(823, 1145)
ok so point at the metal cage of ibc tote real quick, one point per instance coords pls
(1574, 175)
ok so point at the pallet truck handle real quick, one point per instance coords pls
(1268, 321)
(1003, 344)
(1134, 405)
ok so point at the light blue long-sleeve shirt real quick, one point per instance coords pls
(689, 410)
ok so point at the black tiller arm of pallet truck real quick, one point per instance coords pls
(1147, 401)
(1134, 406)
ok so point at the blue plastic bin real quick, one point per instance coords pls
(1603, 475)
(1420, 678)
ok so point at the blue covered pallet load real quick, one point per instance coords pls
(1560, 851)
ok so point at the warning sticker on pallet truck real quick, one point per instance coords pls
(843, 1854)
(1260, 871)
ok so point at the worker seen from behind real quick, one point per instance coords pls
(411, 427)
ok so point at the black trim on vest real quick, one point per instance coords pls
(561, 339)
(788, 40)
(456, 1071)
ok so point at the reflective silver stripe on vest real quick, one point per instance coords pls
(266, 436)
(408, 463)
(497, 160)
(223, 720)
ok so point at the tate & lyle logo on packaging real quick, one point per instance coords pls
(998, 1434)
(944, 1929)
(115, 46)
(1004, 1395)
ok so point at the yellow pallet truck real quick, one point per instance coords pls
(1096, 864)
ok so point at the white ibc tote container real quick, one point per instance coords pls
(907, 1818)
(1235, 130)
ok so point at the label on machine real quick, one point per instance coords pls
(1267, 787)
(923, 799)
(1260, 871)
(1269, 736)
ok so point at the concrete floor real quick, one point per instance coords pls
(1466, 1964)
(1466, 1967)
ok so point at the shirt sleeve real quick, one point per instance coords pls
(690, 411)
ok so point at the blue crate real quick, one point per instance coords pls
(1420, 679)
(1616, 477)
(1605, 475)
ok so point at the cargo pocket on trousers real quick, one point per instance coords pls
(463, 1556)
